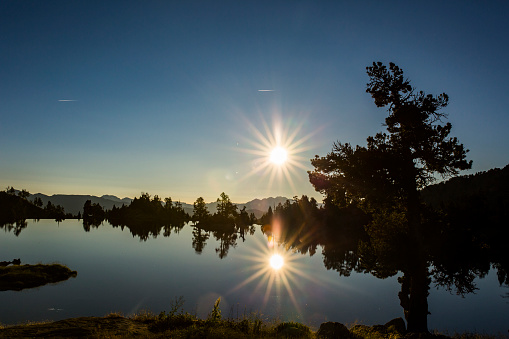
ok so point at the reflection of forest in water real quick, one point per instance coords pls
(228, 235)
(457, 254)
(341, 248)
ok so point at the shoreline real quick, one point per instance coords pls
(184, 325)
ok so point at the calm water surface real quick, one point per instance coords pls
(120, 273)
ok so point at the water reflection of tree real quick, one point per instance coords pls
(15, 227)
(226, 240)
(227, 225)
(227, 236)
(200, 238)
(93, 215)
(169, 229)
(341, 239)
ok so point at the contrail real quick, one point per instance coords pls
(265, 90)
(67, 100)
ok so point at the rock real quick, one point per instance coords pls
(396, 325)
(333, 330)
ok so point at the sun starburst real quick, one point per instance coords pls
(278, 152)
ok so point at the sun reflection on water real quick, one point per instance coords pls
(275, 270)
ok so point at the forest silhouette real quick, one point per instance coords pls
(381, 214)
(15, 209)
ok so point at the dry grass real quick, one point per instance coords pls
(179, 324)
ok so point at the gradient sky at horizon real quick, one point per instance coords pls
(164, 97)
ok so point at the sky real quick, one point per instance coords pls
(185, 99)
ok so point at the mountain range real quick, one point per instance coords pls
(74, 203)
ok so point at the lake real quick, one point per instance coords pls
(118, 272)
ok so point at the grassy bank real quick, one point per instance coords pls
(179, 324)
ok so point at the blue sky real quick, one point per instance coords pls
(165, 94)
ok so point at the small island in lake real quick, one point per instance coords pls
(19, 277)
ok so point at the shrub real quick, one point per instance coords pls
(293, 330)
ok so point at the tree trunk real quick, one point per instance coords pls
(414, 297)
(417, 315)
(418, 281)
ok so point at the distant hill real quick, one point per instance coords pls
(490, 187)
(476, 207)
(74, 203)
(263, 204)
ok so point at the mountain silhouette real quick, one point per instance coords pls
(74, 203)
(126, 201)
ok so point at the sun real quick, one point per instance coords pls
(276, 261)
(278, 152)
(278, 155)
